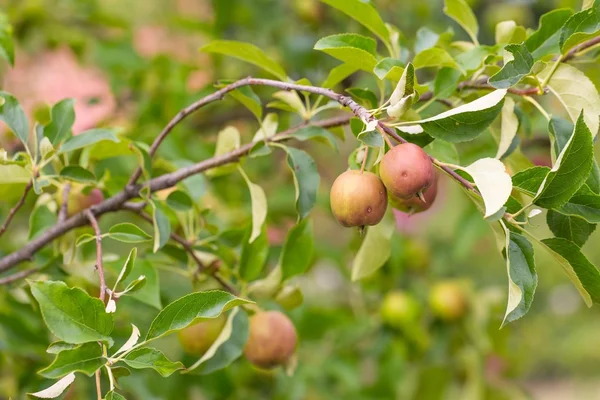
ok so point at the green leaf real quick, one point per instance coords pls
(180, 201)
(57, 347)
(375, 248)
(192, 308)
(246, 52)
(317, 133)
(545, 40)
(86, 359)
(389, 68)
(76, 173)
(443, 151)
(446, 82)
(365, 97)
(584, 204)
(13, 173)
(570, 171)
(435, 58)
(249, 99)
(40, 220)
(575, 229)
(513, 71)
(128, 233)
(364, 13)
(580, 270)
(371, 138)
(425, 39)
(88, 138)
(306, 179)
(580, 27)
(529, 180)
(12, 114)
(338, 74)
(63, 311)
(63, 118)
(150, 292)
(403, 96)
(259, 206)
(112, 395)
(127, 267)
(254, 255)
(151, 358)
(522, 278)
(350, 48)
(576, 92)
(7, 50)
(460, 12)
(462, 123)
(227, 348)
(162, 227)
(268, 128)
(298, 249)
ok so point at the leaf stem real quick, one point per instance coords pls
(99, 265)
(538, 106)
(16, 208)
(364, 161)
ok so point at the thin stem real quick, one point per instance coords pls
(98, 386)
(551, 73)
(111, 378)
(538, 106)
(17, 276)
(62, 214)
(16, 208)
(364, 161)
(427, 104)
(580, 49)
(99, 265)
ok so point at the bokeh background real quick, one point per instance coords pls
(135, 63)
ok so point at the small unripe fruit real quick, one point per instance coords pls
(358, 199)
(448, 300)
(415, 204)
(400, 309)
(78, 200)
(196, 339)
(272, 339)
(416, 255)
(406, 170)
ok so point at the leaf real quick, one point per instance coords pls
(317, 133)
(403, 96)
(162, 227)
(389, 68)
(513, 71)
(249, 99)
(13, 173)
(150, 292)
(227, 140)
(127, 267)
(112, 395)
(259, 206)
(576, 92)
(63, 118)
(584, 204)
(460, 12)
(12, 114)
(446, 82)
(254, 255)
(293, 100)
(371, 138)
(492, 181)
(306, 179)
(364, 13)
(580, 27)
(375, 248)
(443, 151)
(364, 97)
(246, 52)
(545, 40)
(154, 359)
(297, 251)
(461, 123)
(7, 50)
(268, 128)
(55, 390)
(128, 233)
(71, 314)
(338, 74)
(522, 277)
(228, 346)
(425, 39)
(509, 128)
(57, 347)
(88, 138)
(192, 308)
(40, 220)
(86, 359)
(574, 229)
(180, 201)
(77, 174)
(570, 170)
(584, 275)
(350, 48)
(435, 58)
(529, 180)
(134, 286)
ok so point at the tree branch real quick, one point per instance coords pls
(62, 214)
(99, 265)
(16, 208)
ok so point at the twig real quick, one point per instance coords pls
(98, 385)
(17, 276)
(16, 208)
(189, 249)
(99, 266)
(583, 46)
(62, 214)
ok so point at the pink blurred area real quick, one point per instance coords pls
(408, 224)
(53, 75)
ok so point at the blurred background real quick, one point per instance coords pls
(135, 64)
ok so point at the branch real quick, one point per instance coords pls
(16, 208)
(187, 247)
(583, 46)
(99, 266)
(62, 214)
(17, 276)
